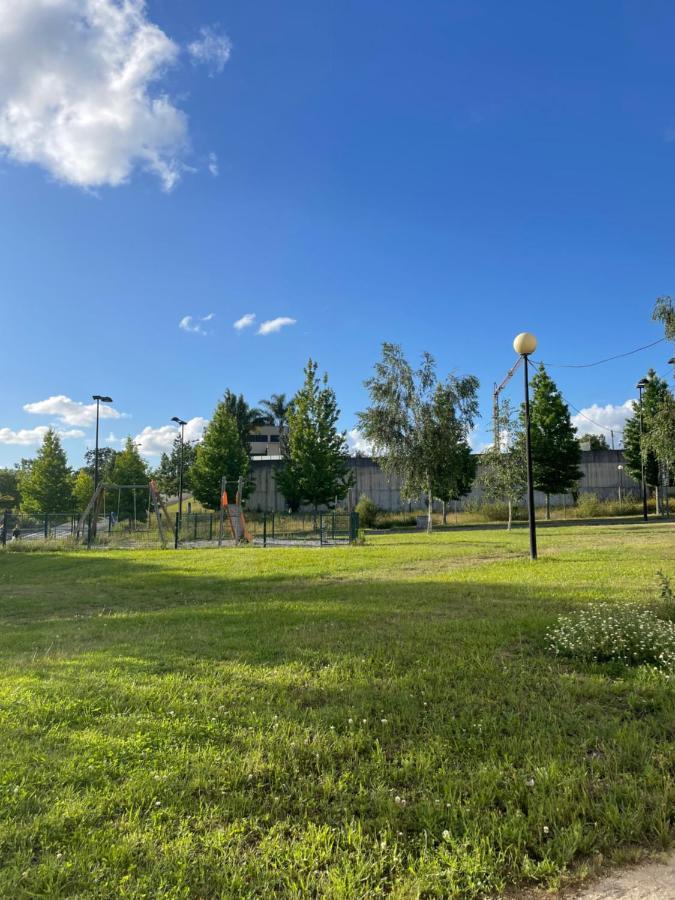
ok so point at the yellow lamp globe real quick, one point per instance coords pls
(525, 343)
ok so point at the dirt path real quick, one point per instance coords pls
(653, 881)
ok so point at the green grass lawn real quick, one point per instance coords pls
(346, 722)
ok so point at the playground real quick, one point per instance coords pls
(383, 718)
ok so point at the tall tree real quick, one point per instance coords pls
(453, 465)
(106, 461)
(276, 410)
(636, 451)
(595, 441)
(555, 450)
(416, 423)
(47, 485)
(167, 474)
(222, 453)
(316, 460)
(503, 473)
(83, 490)
(660, 439)
(246, 417)
(129, 468)
(10, 496)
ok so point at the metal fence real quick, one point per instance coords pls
(266, 529)
(45, 527)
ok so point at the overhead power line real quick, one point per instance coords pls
(599, 362)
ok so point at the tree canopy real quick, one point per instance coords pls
(276, 410)
(653, 395)
(316, 460)
(222, 453)
(168, 472)
(503, 475)
(129, 468)
(595, 441)
(418, 426)
(47, 485)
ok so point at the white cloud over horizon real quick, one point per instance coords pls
(212, 48)
(610, 417)
(77, 92)
(272, 326)
(26, 437)
(357, 443)
(71, 412)
(194, 326)
(155, 441)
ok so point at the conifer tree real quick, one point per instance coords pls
(221, 454)
(83, 490)
(168, 472)
(636, 452)
(316, 460)
(129, 468)
(555, 450)
(47, 485)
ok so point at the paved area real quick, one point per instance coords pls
(652, 881)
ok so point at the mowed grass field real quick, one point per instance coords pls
(339, 722)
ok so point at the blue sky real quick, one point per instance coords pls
(443, 175)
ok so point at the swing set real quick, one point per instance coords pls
(117, 513)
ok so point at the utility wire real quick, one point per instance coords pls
(600, 361)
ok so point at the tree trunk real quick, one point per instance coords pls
(445, 520)
(548, 506)
(508, 527)
(430, 506)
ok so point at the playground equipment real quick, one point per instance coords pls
(124, 513)
(233, 514)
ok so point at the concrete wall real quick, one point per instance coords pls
(601, 477)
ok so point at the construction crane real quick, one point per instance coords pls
(498, 388)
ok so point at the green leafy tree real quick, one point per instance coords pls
(664, 312)
(106, 461)
(47, 485)
(248, 418)
(129, 468)
(503, 474)
(83, 490)
(660, 439)
(417, 425)
(454, 464)
(555, 450)
(168, 472)
(10, 496)
(316, 460)
(276, 410)
(222, 453)
(595, 441)
(637, 451)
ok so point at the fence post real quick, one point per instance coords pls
(176, 529)
(321, 529)
(46, 526)
(5, 523)
(333, 527)
(210, 526)
(264, 529)
(273, 526)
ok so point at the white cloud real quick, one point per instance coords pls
(71, 412)
(194, 326)
(155, 441)
(358, 444)
(271, 326)
(212, 49)
(27, 436)
(75, 91)
(610, 417)
(245, 321)
(213, 165)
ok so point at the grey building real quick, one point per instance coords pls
(602, 476)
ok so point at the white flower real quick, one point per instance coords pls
(446, 835)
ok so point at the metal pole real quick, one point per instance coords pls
(642, 464)
(530, 486)
(180, 472)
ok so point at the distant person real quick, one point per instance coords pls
(3, 534)
(16, 532)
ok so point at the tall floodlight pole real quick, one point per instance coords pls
(641, 385)
(99, 398)
(182, 424)
(525, 344)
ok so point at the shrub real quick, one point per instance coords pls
(630, 634)
(367, 511)
(396, 520)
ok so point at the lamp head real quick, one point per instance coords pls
(102, 398)
(671, 361)
(525, 343)
(178, 421)
(642, 383)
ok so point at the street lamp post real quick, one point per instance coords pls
(641, 385)
(182, 424)
(620, 471)
(525, 344)
(99, 398)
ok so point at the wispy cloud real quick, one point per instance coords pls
(194, 326)
(271, 326)
(76, 91)
(213, 165)
(212, 48)
(26, 437)
(245, 322)
(71, 412)
(357, 443)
